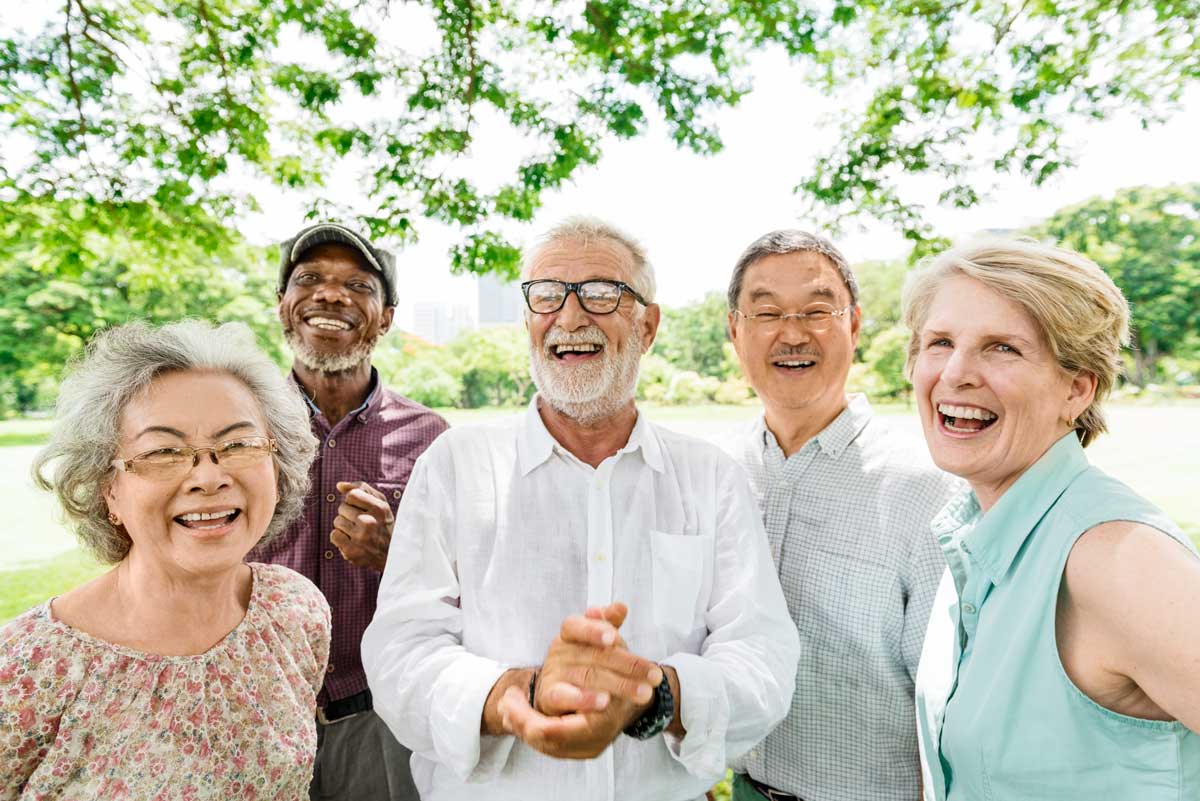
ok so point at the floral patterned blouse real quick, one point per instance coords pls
(81, 718)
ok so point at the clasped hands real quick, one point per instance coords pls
(589, 688)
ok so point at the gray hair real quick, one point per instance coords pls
(789, 240)
(116, 367)
(587, 229)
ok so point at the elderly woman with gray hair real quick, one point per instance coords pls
(1062, 655)
(182, 672)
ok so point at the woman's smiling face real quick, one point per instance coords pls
(992, 397)
(197, 408)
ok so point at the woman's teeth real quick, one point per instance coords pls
(965, 419)
(197, 519)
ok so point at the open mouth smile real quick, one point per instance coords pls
(323, 321)
(576, 351)
(209, 521)
(964, 420)
(795, 365)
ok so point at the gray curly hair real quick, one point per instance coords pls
(118, 365)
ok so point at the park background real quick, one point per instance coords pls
(152, 153)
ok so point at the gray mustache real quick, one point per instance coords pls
(794, 352)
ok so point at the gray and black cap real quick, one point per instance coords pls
(378, 259)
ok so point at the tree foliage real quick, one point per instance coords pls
(192, 104)
(1148, 240)
(960, 89)
(693, 337)
(70, 268)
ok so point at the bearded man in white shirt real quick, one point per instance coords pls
(579, 604)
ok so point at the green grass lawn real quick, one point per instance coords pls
(30, 586)
(24, 432)
(1152, 448)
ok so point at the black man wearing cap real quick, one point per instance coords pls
(337, 296)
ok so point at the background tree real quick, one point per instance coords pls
(190, 103)
(1148, 240)
(879, 285)
(70, 268)
(693, 337)
(493, 366)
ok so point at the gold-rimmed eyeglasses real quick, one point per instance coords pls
(176, 461)
(816, 318)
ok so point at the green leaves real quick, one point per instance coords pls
(72, 267)
(120, 98)
(1148, 241)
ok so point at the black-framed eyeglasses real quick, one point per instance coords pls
(597, 296)
(815, 318)
(173, 462)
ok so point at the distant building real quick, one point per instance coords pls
(441, 323)
(500, 302)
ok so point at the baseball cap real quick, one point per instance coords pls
(378, 259)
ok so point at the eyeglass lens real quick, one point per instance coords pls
(598, 297)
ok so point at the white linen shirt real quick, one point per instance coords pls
(502, 534)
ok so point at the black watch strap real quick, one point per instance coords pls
(655, 720)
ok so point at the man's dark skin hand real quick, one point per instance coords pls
(362, 530)
(588, 691)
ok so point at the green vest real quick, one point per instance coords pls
(997, 716)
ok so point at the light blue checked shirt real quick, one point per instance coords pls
(847, 519)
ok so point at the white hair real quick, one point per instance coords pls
(586, 229)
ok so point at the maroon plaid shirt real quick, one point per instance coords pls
(376, 443)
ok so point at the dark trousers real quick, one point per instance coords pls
(358, 759)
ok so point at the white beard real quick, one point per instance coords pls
(329, 362)
(591, 391)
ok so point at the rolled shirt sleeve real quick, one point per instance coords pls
(428, 688)
(740, 685)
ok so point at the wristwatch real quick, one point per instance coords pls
(655, 719)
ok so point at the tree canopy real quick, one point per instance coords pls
(195, 106)
(1148, 241)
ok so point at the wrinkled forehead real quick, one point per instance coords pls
(196, 402)
(965, 306)
(578, 259)
(336, 257)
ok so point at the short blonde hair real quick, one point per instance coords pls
(586, 229)
(117, 366)
(1080, 313)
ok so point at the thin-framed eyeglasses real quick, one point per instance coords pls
(177, 461)
(770, 319)
(597, 296)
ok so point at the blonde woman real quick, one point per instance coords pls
(1062, 659)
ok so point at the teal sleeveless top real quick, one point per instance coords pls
(997, 715)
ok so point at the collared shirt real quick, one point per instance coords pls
(512, 534)
(847, 518)
(377, 443)
(997, 714)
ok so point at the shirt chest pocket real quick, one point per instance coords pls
(682, 574)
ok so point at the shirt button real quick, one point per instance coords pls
(396, 494)
(331, 497)
(599, 557)
(969, 608)
(329, 554)
(332, 443)
(330, 668)
(362, 418)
